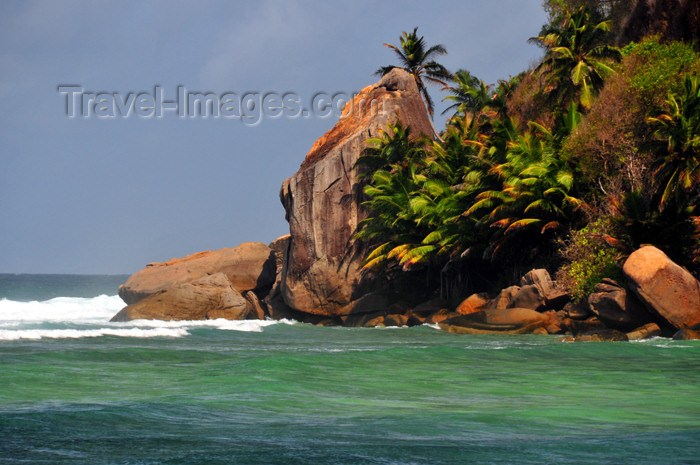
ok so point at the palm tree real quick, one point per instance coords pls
(535, 196)
(678, 131)
(576, 61)
(470, 95)
(419, 61)
(391, 230)
(395, 145)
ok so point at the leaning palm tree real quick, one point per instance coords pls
(419, 61)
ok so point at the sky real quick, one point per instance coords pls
(117, 185)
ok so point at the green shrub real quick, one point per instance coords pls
(660, 67)
(610, 146)
(588, 259)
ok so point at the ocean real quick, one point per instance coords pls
(77, 389)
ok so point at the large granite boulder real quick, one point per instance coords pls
(250, 266)
(664, 287)
(205, 298)
(322, 273)
(617, 308)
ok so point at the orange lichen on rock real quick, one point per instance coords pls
(175, 261)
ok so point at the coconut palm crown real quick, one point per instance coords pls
(419, 60)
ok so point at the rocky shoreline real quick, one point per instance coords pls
(314, 274)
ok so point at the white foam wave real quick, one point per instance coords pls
(60, 310)
(36, 334)
(221, 323)
(89, 317)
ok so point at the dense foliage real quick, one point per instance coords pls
(607, 160)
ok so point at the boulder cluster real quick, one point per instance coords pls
(314, 274)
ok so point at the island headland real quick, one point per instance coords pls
(323, 271)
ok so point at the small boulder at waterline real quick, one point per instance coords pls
(647, 331)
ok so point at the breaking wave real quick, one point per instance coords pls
(80, 317)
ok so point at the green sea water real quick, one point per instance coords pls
(297, 394)
(80, 390)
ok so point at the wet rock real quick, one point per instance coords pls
(605, 335)
(647, 331)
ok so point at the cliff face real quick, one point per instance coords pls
(321, 274)
(670, 19)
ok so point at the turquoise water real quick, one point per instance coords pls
(80, 390)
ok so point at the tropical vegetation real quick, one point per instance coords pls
(607, 159)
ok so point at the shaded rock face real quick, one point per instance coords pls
(504, 298)
(617, 308)
(528, 296)
(250, 266)
(539, 278)
(664, 287)
(577, 311)
(274, 302)
(686, 334)
(206, 298)
(670, 19)
(547, 294)
(323, 203)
